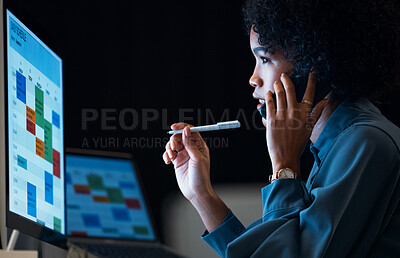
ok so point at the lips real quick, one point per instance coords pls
(261, 100)
(260, 105)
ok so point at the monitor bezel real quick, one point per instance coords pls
(13, 220)
(124, 156)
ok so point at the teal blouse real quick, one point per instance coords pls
(349, 205)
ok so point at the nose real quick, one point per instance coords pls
(255, 80)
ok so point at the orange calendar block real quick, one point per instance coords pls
(39, 147)
(30, 114)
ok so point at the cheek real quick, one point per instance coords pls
(270, 77)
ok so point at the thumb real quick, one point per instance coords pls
(317, 111)
(190, 144)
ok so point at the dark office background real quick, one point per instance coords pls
(158, 58)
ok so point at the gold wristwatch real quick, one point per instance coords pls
(282, 173)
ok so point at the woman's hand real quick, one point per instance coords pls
(290, 124)
(190, 156)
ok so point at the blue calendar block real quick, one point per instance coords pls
(48, 187)
(55, 119)
(31, 199)
(21, 87)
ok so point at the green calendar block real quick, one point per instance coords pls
(115, 195)
(139, 230)
(95, 182)
(48, 141)
(39, 107)
(57, 224)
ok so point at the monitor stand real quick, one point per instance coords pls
(11, 253)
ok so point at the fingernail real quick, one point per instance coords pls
(283, 74)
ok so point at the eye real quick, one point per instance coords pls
(264, 60)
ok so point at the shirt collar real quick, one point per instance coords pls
(341, 118)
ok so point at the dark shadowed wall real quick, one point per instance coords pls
(143, 65)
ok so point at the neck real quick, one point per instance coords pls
(323, 119)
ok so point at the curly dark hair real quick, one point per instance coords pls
(354, 45)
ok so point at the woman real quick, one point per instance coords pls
(349, 205)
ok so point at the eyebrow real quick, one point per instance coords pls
(259, 49)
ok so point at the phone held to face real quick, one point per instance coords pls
(300, 84)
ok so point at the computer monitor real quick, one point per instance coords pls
(32, 132)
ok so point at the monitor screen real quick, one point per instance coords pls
(105, 199)
(35, 128)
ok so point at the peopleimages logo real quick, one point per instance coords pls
(17, 30)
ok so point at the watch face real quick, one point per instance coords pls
(286, 173)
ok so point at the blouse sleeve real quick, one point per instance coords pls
(340, 216)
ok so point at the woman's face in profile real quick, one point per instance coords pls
(268, 68)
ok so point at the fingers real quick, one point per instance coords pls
(280, 97)
(270, 105)
(176, 142)
(311, 87)
(172, 154)
(166, 158)
(171, 150)
(179, 126)
(289, 90)
(191, 144)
